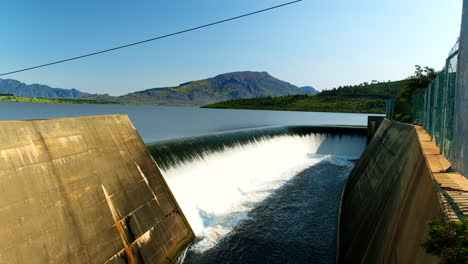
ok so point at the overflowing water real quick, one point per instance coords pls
(219, 185)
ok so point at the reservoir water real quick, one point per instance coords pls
(255, 186)
(158, 123)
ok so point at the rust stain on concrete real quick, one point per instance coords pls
(145, 180)
(120, 225)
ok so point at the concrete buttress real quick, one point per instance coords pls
(84, 190)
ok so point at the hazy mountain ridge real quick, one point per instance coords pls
(228, 86)
(17, 88)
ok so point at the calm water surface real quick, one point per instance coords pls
(159, 123)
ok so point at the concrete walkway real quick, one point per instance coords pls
(454, 186)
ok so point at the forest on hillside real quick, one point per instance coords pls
(362, 98)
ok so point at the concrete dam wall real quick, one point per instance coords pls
(388, 199)
(84, 190)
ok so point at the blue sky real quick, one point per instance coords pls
(323, 43)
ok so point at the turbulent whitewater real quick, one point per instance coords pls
(220, 180)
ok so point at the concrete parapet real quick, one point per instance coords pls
(389, 197)
(84, 190)
(453, 185)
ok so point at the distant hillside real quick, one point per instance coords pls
(235, 85)
(8, 86)
(364, 98)
(311, 89)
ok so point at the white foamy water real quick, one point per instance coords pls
(217, 192)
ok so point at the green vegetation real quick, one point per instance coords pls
(363, 98)
(415, 84)
(448, 241)
(380, 90)
(313, 103)
(10, 98)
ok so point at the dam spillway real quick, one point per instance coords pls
(231, 185)
(86, 190)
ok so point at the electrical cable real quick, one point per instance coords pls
(151, 39)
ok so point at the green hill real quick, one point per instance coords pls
(364, 98)
(228, 86)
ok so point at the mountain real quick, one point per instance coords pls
(228, 86)
(17, 88)
(310, 89)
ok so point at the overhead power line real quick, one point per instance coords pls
(151, 39)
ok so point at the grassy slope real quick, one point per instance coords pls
(352, 99)
(52, 100)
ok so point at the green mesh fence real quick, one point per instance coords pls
(390, 108)
(449, 104)
(418, 108)
(435, 108)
